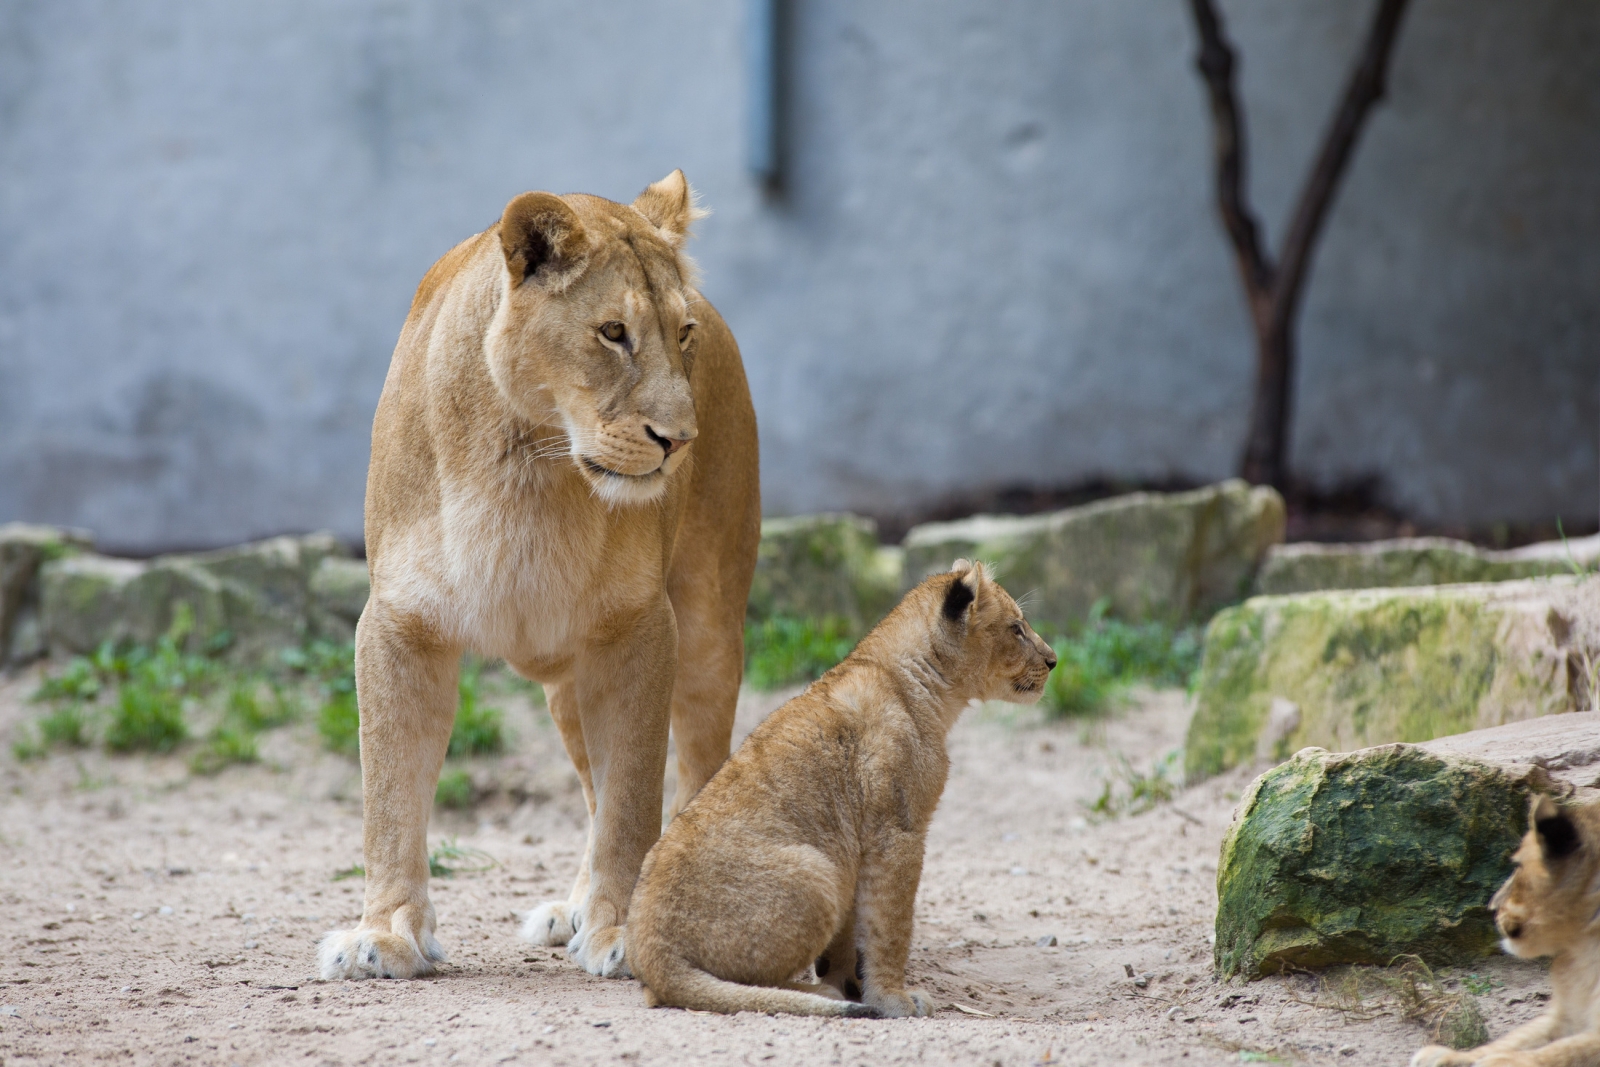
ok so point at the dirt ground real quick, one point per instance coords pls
(153, 916)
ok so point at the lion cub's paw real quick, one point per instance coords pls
(599, 950)
(1439, 1056)
(374, 954)
(907, 1002)
(549, 924)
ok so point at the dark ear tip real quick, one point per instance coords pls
(1559, 835)
(956, 599)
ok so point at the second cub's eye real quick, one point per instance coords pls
(614, 332)
(684, 333)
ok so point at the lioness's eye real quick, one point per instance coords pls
(684, 333)
(614, 332)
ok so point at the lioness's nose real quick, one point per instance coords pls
(669, 443)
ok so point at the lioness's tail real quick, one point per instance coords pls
(676, 983)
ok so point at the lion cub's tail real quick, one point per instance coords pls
(678, 984)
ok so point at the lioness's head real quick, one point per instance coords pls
(1552, 896)
(991, 643)
(595, 331)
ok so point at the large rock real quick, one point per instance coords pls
(249, 600)
(1412, 561)
(339, 590)
(1345, 670)
(24, 548)
(1360, 857)
(815, 566)
(1169, 556)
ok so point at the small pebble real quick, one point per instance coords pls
(1347, 1050)
(430, 1041)
(252, 944)
(138, 915)
(166, 909)
(1047, 941)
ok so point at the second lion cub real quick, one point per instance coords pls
(807, 845)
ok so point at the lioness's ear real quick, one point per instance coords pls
(669, 206)
(543, 240)
(964, 590)
(1558, 835)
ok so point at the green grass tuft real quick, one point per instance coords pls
(786, 651)
(478, 731)
(1126, 791)
(449, 859)
(1097, 665)
(454, 791)
(226, 745)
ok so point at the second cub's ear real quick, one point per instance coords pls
(963, 592)
(543, 241)
(1558, 834)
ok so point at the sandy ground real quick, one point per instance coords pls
(155, 917)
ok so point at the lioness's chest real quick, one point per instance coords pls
(532, 578)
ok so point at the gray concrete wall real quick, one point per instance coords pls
(996, 261)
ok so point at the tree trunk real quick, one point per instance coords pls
(1273, 290)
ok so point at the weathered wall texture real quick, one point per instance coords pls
(996, 261)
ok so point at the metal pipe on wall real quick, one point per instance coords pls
(762, 76)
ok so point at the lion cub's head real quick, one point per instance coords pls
(595, 330)
(986, 634)
(1552, 898)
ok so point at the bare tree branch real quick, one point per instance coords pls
(1273, 291)
(1216, 62)
(1366, 87)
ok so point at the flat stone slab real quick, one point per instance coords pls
(1349, 669)
(1359, 857)
(1414, 561)
(1170, 556)
(1567, 747)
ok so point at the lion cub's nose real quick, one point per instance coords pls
(1050, 657)
(669, 445)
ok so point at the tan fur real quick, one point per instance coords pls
(533, 495)
(807, 845)
(1550, 906)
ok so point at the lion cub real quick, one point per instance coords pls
(1550, 906)
(806, 847)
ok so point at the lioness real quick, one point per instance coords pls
(534, 495)
(1550, 906)
(807, 845)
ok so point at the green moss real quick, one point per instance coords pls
(1363, 668)
(1362, 857)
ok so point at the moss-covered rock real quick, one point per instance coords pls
(1360, 857)
(249, 600)
(816, 566)
(1350, 669)
(1414, 561)
(1168, 556)
(24, 548)
(339, 590)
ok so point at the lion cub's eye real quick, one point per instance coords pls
(1017, 629)
(614, 332)
(684, 333)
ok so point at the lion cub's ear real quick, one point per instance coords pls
(669, 206)
(963, 592)
(543, 241)
(1558, 835)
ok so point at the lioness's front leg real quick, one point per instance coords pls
(622, 690)
(406, 689)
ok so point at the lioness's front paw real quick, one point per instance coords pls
(907, 1002)
(1439, 1056)
(599, 950)
(549, 924)
(374, 954)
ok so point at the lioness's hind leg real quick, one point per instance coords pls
(406, 690)
(551, 923)
(705, 694)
